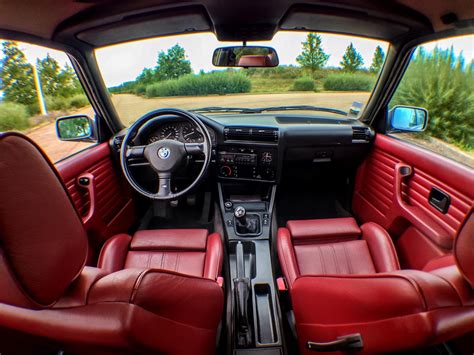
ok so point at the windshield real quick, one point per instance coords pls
(318, 74)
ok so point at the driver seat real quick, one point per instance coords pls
(154, 293)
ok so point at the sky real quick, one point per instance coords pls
(124, 62)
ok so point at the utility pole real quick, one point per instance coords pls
(39, 91)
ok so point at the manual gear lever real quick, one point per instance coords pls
(246, 224)
(240, 214)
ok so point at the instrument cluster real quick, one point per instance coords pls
(184, 132)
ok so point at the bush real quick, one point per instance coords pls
(78, 101)
(303, 84)
(349, 82)
(13, 117)
(198, 85)
(57, 103)
(439, 82)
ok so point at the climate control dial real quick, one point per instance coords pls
(225, 171)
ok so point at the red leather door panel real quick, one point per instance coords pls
(424, 233)
(113, 210)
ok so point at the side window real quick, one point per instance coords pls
(440, 79)
(38, 85)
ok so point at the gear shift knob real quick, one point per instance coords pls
(239, 212)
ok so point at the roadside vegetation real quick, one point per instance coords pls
(448, 95)
(60, 86)
(172, 75)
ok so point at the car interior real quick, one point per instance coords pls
(252, 232)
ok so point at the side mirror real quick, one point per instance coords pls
(77, 128)
(407, 119)
(245, 56)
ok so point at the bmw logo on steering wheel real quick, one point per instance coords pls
(164, 153)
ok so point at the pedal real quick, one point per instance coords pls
(191, 200)
(174, 203)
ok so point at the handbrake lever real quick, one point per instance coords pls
(241, 292)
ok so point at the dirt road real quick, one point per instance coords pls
(131, 107)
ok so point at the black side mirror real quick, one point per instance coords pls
(407, 119)
(76, 128)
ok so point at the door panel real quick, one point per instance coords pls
(113, 209)
(423, 231)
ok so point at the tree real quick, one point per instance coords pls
(16, 75)
(48, 69)
(69, 83)
(352, 60)
(440, 82)
(377, 60)
(147, 76)
(312, 57)
(173, 64)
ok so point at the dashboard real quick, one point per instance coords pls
(263, 147)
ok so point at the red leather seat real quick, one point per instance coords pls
(345, 280)
(186, 251)
(166, 300)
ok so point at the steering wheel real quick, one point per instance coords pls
(165, 156)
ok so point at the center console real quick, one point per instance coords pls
(246, 204)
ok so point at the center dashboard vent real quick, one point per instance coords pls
(254, 134)
(361, 134)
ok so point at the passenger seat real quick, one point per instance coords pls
(348, 292)
(334, 246)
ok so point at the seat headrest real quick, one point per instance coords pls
(42, 240)
(464, 249)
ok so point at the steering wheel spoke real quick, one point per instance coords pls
(164, 185)
(194, 148)
(137, 151)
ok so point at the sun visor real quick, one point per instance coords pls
(348, 21)
(155, 24)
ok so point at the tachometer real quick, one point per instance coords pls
(191, 134)
(169, 132)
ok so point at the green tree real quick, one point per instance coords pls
(377, 60)
(440, 82)
(16, 75)
(312, 57)
(69, 84)
(352, 60)
(173, 64)
(147, 76)
(48, 69)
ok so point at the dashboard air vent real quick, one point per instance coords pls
(254, 134)
(361, 134)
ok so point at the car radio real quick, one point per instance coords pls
(247, 163)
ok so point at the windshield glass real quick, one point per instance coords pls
(318, 74)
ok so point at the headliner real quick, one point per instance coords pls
(102, 22)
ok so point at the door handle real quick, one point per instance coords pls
(86, 182)
(439, 200)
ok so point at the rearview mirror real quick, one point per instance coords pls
(407, 119)
(245, 56)
(77, 128)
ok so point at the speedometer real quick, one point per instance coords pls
(191, 134)
(169, 132)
